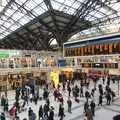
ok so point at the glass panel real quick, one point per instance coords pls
(43, 5)
(4, 18)
(71, 11)
(55, 5)
(1, 21)
(14, 27)
(69, 2)
(9, 12)
(14, 7)
(38, 1)
(61, 1)
(7, 24)
(116, 6)
(20, 2)
(76, 4)
(30, 4)
(24, 20)
(17, 15)
(39, 10)
(3, 2)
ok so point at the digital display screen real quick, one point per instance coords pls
(97, 49)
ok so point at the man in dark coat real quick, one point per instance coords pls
(2, 100)
(35, 99)
(51, 114)
(108, 81)
(46, 110)
(100, 100)
(2, 116)
(87, 95)
(103, 80)
(40, 114)
(81, 92)
(69, 102)
(17, 106)
(92, 105)
(48, 102)
(6, 105)
(108, 96)
(29, 112)
(61, 112)
(86, 106)
(117, 117)
(55, 94)
(69, 90)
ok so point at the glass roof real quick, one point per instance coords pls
(101, 14)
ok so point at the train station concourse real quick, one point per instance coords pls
(59, 59)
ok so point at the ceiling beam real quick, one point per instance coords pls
(52, 14)
(37, 17)
(82, 11)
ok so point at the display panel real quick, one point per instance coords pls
(105, 45)
(100, 65)
(97, 49)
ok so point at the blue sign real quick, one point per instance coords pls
(61, 63)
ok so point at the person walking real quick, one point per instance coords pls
(48, 102)
(32, 116)
(51, 114)
(17, 106)
(6, 105)
(108, 81)
(46, 111)
(100, 100)
(40, 114)
(61, 112)
(92, 105)
(92, 93)
(55, 94)
(89, 114)
(69, 91)
(81, 91)
(87, 95)
(30, 113)
(35, 99)
(108, 97)
(2, 116)
(86, 106)
(69, 102)
(103, 80)
(2, 100)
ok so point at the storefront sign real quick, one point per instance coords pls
(94, 72)
(4, 55)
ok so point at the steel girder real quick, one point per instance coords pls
(51, 12)
(81, 12)
(40, 21)
(12, 42)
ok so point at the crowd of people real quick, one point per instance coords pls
(24, 96)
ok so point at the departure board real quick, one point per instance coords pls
(96, 49)
(100, 65)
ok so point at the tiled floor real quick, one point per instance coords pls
(102, 113)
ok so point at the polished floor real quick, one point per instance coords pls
(102, 113)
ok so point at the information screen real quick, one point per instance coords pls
(96, 49)
(100, 65)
